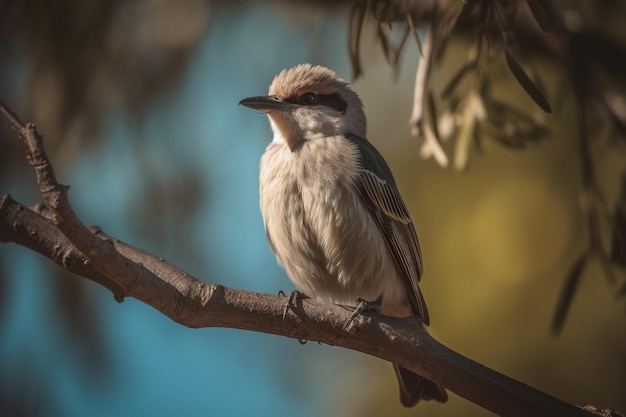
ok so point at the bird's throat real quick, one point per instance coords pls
(286, 133)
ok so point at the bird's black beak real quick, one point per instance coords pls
(265, 104)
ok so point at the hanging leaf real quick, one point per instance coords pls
(383, 12)
(432, 147)
(618, 244)
(540, 15)
(454, 102)
(397, 50)
(478, 138)
(531, 89)
(616, 108)
(457, 78)
(432, 111)
(357, 16)
(467, 7)
(440, 48)
(384, 41)
(512, 127)
(486, 11)
(567, 293)
(413, 29)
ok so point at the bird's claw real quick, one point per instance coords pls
(362, 307)
(291, 300)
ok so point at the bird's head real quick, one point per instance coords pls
(309, 102)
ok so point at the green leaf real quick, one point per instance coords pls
(531, 89)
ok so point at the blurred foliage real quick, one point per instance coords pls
(85, 60)
(70, 66)
(567, 35)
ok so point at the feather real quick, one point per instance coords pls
(379, 193)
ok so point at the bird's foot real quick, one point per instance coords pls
(292, 298)
(362, 307)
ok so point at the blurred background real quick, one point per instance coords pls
(138, 104)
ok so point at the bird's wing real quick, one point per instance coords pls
(379, 193)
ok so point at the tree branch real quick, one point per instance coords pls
(57, 233)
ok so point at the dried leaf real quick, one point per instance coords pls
(616, 105)
(382, 11)
(478, 138)
(507, 112)
(413, 29)
(453, 103)
(465, 136)
(462, 148)
(432, 147)
(466, 10)
(398, 50)
(567, 293)
(513, 127)
(432, 112)
(507, 13)
(440, 48)
(384, 41)
(618, 244)
(508, 140)
(540, 15)
(357, 16)
(531, 89)
(486, 10)
(457, 78)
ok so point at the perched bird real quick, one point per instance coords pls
(332, 212)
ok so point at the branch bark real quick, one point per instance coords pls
(56, 232)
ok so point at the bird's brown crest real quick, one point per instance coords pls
(305, 78)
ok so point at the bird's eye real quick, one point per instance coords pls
(308, 99)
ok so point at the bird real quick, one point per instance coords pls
(331, 209)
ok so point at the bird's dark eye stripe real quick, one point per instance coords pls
(329, 100)
(334, 101)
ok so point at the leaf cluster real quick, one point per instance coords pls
(569, 37)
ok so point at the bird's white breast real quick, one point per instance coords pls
(319, 229)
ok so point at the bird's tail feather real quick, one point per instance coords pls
(414, 388)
